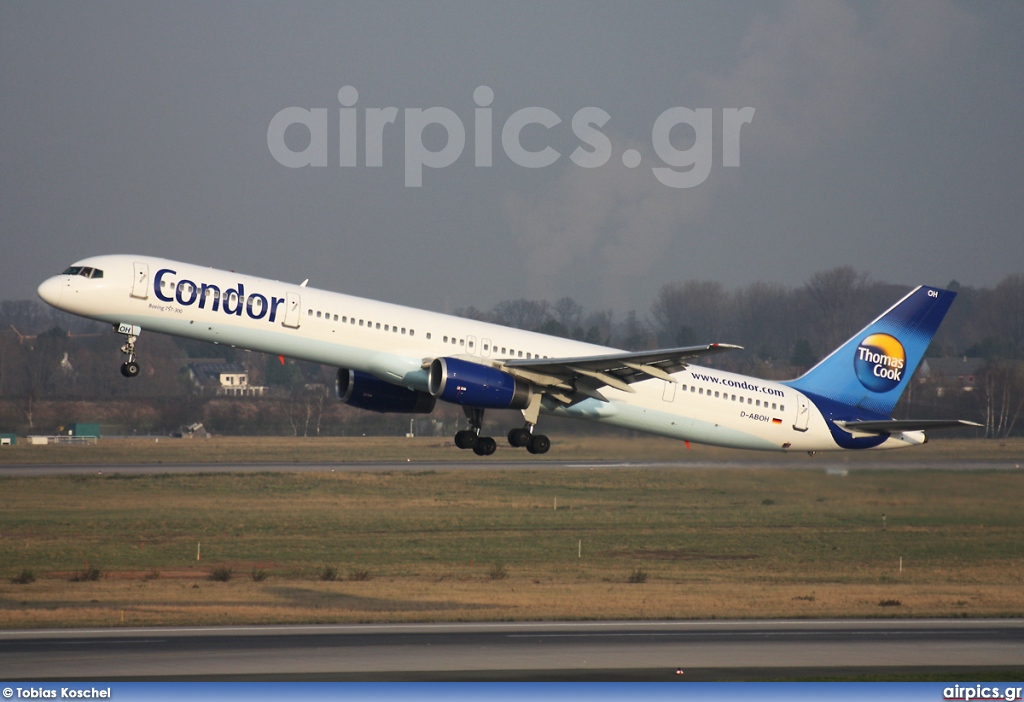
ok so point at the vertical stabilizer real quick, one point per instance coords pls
(872, 369)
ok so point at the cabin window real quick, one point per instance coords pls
(412, 332)
(428, 335)
(782, 408)
(309, 313)
(503, 350)
(750, 400)
(335, 318)
(378, 325)
(394, 329)
(470, 344)
(462, 342)
(693, 388)
(487, 347)
(318, 314)
(403, 330)
(520, 354)
(387, 328)
(446, 339)
(528, 355)
(716, 393)
(701, 391)
(684, 388)
(773, 405)
(360, 322)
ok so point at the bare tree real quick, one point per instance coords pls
(1002, 392)
(764, 316)
(690, 313)
(531, 315)
(569, 315)
(836, 294)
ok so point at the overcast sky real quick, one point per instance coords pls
(884, 136)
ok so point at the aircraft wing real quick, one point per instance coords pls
(572, 379)
(896, 425)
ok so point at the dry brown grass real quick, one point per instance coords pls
(116, 602)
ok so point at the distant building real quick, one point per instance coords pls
(950, 374)
(224, 379)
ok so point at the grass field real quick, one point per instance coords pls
(439, 545)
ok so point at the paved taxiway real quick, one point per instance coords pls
(554, 650)
(784, 462)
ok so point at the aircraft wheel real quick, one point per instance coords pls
(485, 446)
(466, 439)
(539, 444)
(519, 437)
(130, 369)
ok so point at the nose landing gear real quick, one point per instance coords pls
(130, 368)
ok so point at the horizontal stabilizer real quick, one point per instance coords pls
(891, 426)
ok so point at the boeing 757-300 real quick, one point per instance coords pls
(392, 358)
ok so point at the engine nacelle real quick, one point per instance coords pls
(366, 392)
(476, 385)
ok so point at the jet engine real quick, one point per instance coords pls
(476, 385)
(366, 392)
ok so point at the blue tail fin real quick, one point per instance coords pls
(872, 369)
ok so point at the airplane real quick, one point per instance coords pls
(393, 358)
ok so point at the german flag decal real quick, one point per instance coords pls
(776, 421)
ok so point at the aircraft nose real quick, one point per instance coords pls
(50, 290)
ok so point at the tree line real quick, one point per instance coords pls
(47, 356)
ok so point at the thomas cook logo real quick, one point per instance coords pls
(880, 362)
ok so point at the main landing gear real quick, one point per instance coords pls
(130, 368)
(524, 436)
(471, 439)
(485, 445)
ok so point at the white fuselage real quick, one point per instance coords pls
(393, 343)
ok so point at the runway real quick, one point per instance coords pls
(819, 465)
(702, 650)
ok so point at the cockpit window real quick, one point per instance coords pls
(84, 271)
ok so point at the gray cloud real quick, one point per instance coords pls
(886, 137)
